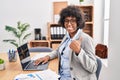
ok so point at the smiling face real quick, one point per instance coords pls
(70, 25)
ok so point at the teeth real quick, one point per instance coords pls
(70, 28)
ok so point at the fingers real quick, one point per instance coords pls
(38, 61)
(75, 45)
(76, 42)
(42, 60)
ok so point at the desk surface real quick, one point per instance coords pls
(14, 68)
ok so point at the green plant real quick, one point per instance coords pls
(81, 0)
(1, 61)
(18, 32)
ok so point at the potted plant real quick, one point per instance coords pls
(18, 32)
(81, 0)
(20, 36)
(2, 64)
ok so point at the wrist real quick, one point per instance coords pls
(48, 57)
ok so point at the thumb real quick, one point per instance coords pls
(80, 39)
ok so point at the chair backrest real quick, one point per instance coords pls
(101, 50)
(98, 68)
(40, 49)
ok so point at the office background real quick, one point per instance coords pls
(37, 13)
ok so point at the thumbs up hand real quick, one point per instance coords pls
(75, 45)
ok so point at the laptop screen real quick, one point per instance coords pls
(24, 55)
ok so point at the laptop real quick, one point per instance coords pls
(26, 62)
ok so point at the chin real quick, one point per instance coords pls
(70, 31)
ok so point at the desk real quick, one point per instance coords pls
(14, 68)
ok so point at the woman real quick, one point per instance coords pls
(76, 52)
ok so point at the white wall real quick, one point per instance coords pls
(37, 13)
(112, 71)
(98, 21)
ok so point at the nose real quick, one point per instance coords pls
(69, 23)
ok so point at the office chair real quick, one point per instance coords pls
(40, 49)
(101, 50)
(98, 68)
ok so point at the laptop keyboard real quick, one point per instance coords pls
(37, 67)
(32, 66)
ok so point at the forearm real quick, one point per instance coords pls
(88, 61)
(53, 54)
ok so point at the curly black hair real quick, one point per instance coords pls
(72, 11)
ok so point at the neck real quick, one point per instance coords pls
(72, 34)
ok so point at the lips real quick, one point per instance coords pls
(70, 28)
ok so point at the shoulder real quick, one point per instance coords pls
(86, 36)
(86, 39)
